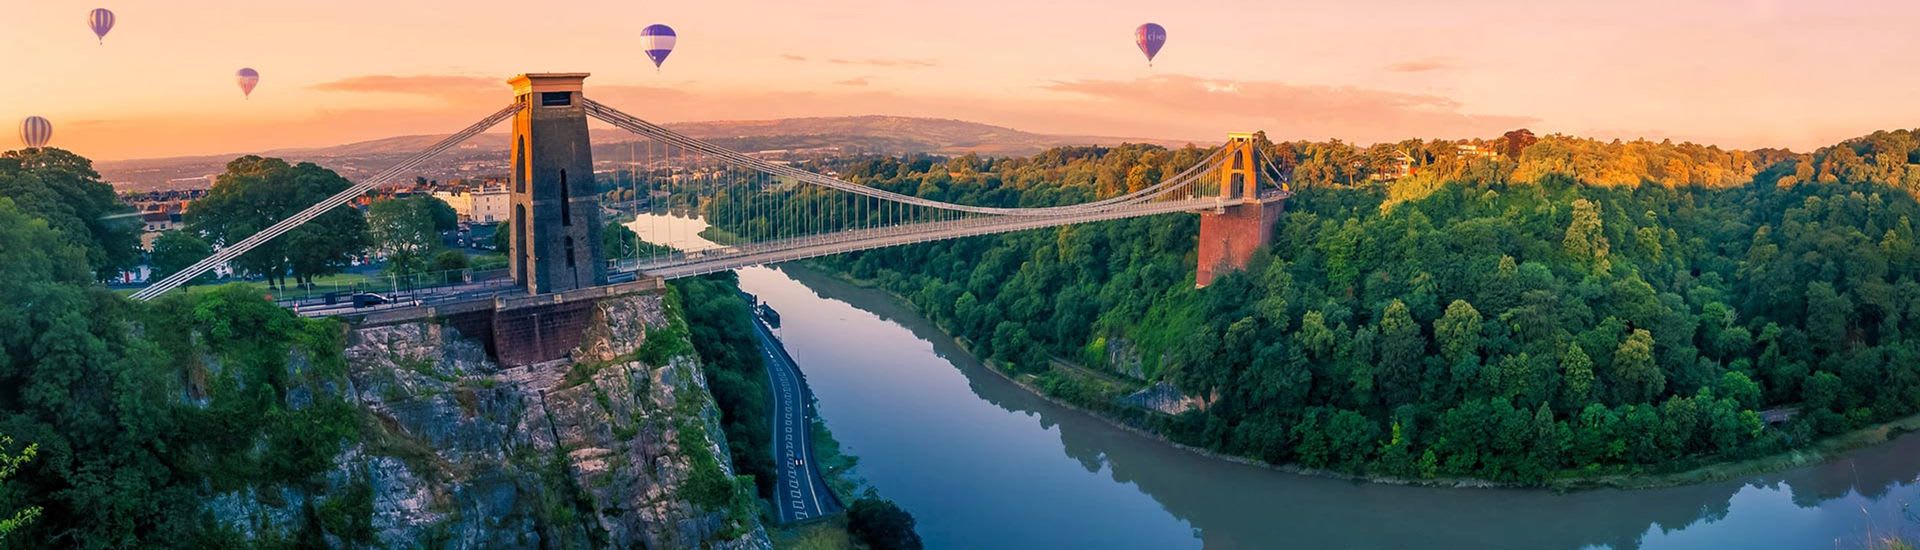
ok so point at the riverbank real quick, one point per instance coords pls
(1137, 421)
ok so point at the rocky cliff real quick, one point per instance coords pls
(616, 446)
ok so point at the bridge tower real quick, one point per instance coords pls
(555, 222)
(1242, 222)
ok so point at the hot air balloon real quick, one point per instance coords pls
(35, 132)
(1150, 37)
(657, 40)
(247, 78)
(102, 21)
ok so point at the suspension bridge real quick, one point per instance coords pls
(761, 211)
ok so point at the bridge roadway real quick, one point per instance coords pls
(799, 491)
(769, 252)
(786, 250)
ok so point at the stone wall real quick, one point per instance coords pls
(1228, 239)
(458, 451)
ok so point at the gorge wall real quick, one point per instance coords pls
(617, 445)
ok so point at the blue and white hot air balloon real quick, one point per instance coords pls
(101, 20)
(658, 41)
(1150, 37)
(35, 132)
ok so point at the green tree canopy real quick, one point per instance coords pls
(882, 525)
(61, 188)
(176, 250)
(404, 231)
(256, 192)
(10, 463)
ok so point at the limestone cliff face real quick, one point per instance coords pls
(600, 450)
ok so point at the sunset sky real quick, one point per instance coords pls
(1738, 73)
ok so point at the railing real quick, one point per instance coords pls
(389, 289)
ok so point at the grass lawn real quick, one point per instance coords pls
(339, 282)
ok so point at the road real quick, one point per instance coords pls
(799, 491)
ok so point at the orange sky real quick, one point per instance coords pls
(1741, 73)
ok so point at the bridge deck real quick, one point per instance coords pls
(732, 257)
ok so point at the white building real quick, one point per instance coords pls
(484, 205)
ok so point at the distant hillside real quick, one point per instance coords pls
(859, 134)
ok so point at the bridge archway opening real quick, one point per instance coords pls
(520, 164)
(519, 242)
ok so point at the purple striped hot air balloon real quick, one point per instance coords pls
(102, 21)
(658, 41)
(1150, 37)
(35, 132)
(247, 78)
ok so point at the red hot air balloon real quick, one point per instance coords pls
(35, 132)
(102, 21)
(247, 78)
(1150, 37)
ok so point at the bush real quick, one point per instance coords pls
(881, 524)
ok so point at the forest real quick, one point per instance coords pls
(100, 453)
(1516, 309)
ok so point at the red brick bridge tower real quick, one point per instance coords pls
(1243, 218)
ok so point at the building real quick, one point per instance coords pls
(156, 222)
(484, 205)
(1471, 151)
(1400, 166)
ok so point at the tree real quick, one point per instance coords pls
(1633, 365)
(1354, 437)
(1314, 335)
(1515, 142)
(1458, 331)
(448, 260)
(1727, 284)
(503, 237)
(1396, 455)
(83, 390)
(445, 218)
(176, 250)
(9, 465)
(403, 230)
(61, 188)
(1741, 389)
(1827, 314)
(1584, 240)
(256, 192)
(1822, 391)
(1576, 372)
(881, 524)
(616, 241)
(1401, 349)
(449, 263)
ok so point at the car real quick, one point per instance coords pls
(365, 299)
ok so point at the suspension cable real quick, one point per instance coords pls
(636, 125)
(234, 250)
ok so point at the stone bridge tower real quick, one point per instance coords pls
(555, 222)
(1243, 220)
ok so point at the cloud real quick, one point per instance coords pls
(1285, 110)
(1165, 107)
(792, 57)
(1422, 65)
(856, 81)
(428, 85)
(881, 62)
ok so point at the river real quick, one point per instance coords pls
(982, 463)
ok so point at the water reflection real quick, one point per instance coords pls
(983, 463)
